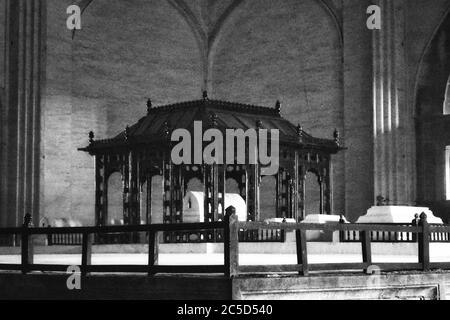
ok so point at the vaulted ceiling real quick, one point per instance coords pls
(207, 18)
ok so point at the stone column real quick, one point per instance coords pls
(393, 122)
(20, 121)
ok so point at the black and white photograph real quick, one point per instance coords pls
(243, 151)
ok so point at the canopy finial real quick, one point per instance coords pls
(299, 130)
(91, 136)
(337, 136)
(167, 128)
(149, 105)
(214, 120)
(259, 124)
(278, 106)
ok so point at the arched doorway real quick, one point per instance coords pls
(433, 123)
(447, 99)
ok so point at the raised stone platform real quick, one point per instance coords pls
(393, 286)
(397, 214)
(408, 285)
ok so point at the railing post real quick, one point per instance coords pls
(27, 249)
(366, 247)
(49, 238)
(231, 242)
(424, 242)
(302, 253)
(153, 251)
(341, 232)
(86, 252)
(415, 223)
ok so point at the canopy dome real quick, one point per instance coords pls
(156, 126)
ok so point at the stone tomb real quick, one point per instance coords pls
(193, 206)
(397, 214)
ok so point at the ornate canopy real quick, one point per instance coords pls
(143, 150)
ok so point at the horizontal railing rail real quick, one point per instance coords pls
(116, 229)
(438, 233)
(88, 233)
(232, 229)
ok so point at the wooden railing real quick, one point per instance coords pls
(231, 229)
(194, 236)
(88, 235)
(438, 235)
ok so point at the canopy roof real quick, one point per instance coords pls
(156, 126)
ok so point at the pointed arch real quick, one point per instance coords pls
(426, 50)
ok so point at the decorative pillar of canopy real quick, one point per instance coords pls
(210, 202)
(126, 190)
(211, 183)
(252, 182)
(131, 186)
(301, 193)
(300, 176)
(279, 200)
(290, 201)
(328, 189)
(101, 191)
(148, 195)
(296, 193)
(176, 198)
(134, 195)
(167, 204)
(222, 190)
(178, 193)
(320, 181)
(173, 188)
(214, 191)
(215, 177)
(285, 189)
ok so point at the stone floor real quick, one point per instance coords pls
(210, 259)
(317, 253)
